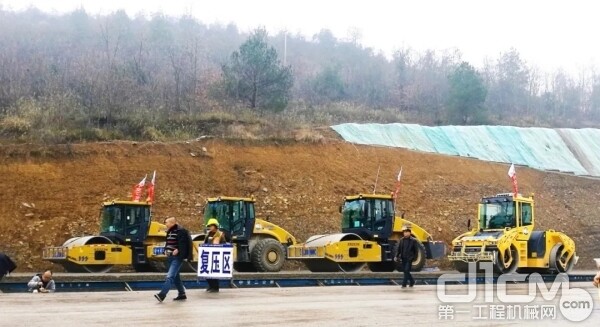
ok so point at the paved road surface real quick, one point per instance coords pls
(308, 306)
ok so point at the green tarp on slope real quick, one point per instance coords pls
(574, 151)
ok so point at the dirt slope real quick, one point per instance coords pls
(49, 193)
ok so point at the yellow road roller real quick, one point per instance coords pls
(126, 237)
(505, 236)
(259, 245)
(370, 234)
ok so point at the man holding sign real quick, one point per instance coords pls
(215, 259)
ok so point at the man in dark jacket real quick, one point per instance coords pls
(407, 252)
(6, 265)
(178, 248)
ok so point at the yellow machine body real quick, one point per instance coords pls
(505, 236)
(259, 245)
(127, 238)
(370, 233)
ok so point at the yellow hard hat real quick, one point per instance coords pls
(212, 221)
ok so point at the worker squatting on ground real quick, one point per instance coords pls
(42, 283)
(214, 236)
(6, 265)
(178, 248)
(407, 252)
(596, 281)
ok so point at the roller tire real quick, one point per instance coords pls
(92, 269)
(554, 260)
(499, 267)
(268, 255)
(419, 262)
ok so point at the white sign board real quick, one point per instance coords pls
(215, 261)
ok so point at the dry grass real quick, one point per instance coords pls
(307, 134)
(239, 131)
(297, 123)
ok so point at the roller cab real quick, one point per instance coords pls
(259, 245)
(126, 237)
(370, 235)
(505, 236)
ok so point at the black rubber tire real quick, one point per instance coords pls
(419, 262)
(92, 269)
(499, 267)
(554, 260)
(261, 252)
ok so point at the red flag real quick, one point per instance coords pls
(137, 190)
(513, 176)
(150, 189)
(398, 184)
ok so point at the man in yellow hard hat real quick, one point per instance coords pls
(213, 236)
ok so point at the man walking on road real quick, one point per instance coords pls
(407, 252)
(178, 248)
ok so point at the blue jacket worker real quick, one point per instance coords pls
(178, 249)
(42, 283)
(407, 252)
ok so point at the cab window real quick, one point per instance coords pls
(526, 214)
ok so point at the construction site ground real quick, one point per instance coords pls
(49, 193)
(313, 306)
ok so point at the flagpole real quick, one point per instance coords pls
(512, 173)
(397, 189)
(376, 179)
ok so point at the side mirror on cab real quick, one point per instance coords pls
(469, 224)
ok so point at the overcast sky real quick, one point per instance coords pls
(548, 34)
